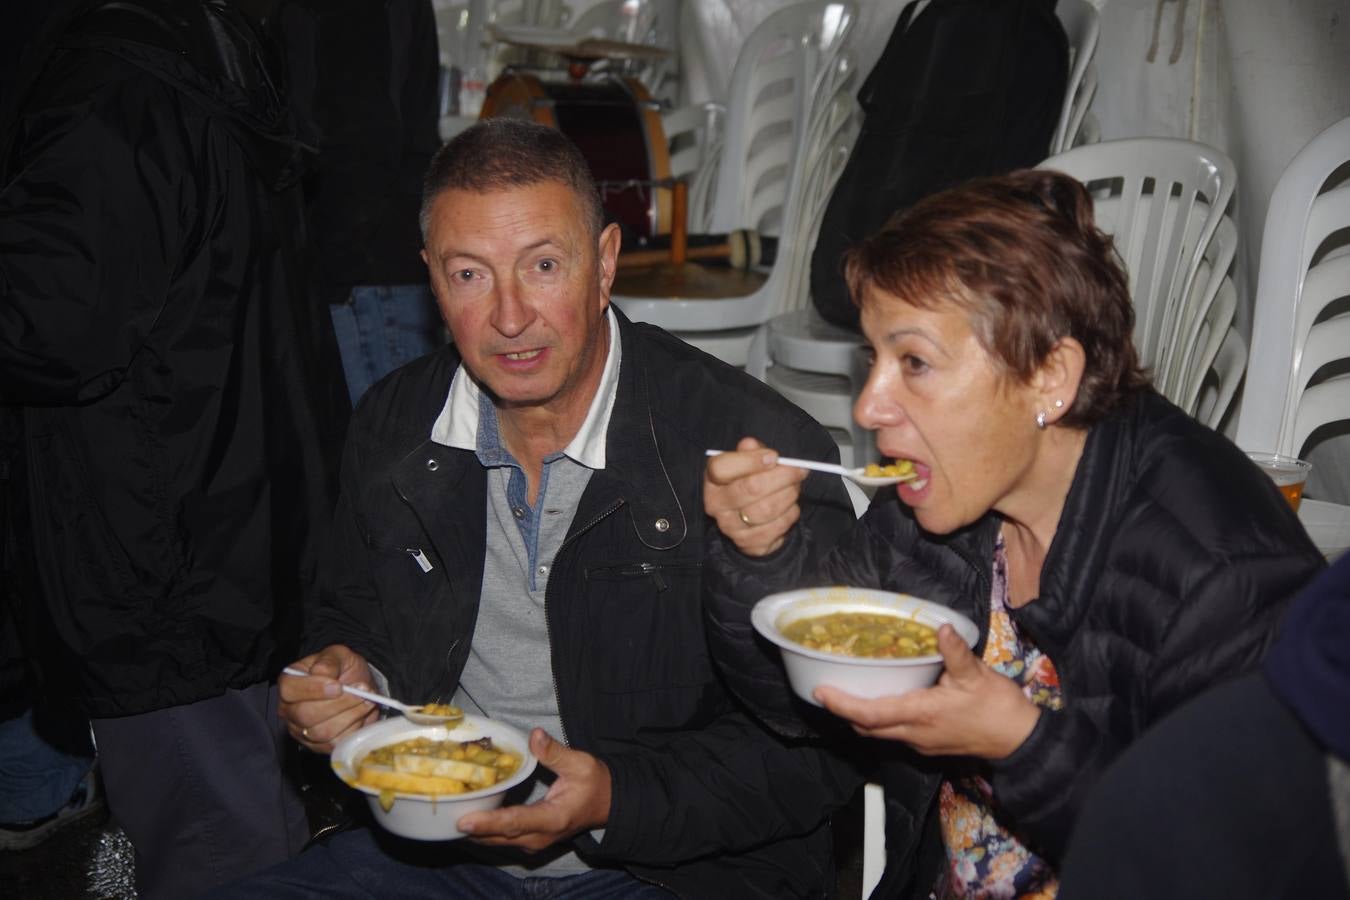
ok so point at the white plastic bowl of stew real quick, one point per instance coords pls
(427, 817)
(868, 677)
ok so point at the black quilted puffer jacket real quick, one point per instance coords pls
(1172, 563)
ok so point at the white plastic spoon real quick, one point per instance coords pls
(856, 475)
(413, 714)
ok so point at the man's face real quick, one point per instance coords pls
(523, 289)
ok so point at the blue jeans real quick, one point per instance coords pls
(381, 327)
(36, 779)
(352, 865)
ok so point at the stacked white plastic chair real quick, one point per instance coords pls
(820, 366)
(1163, 244)
(1076, 124)
(694, 139)
(1297, 378)
(654, 23)
(1212, 355)
(785, 84)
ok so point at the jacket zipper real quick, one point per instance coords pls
(644, 568)
(651, 570)
(548, 611)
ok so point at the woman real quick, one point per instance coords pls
(1117, 556)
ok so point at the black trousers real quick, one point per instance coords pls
(201, 791)
(1226, 798)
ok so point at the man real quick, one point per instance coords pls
(170, 404)
(518, 529)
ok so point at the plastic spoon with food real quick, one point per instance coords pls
(426, 714)
(871, 475)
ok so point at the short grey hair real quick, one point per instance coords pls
(501, 153)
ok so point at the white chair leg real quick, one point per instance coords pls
(757, 357)
(874, 837)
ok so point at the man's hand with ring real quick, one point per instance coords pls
(315, 708)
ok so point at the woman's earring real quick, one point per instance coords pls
(1040, 420)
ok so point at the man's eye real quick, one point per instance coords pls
(465, 275)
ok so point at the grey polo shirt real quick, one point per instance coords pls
(509, 672)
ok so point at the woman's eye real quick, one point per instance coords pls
(913, 364)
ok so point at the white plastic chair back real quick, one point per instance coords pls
(1162, 245)
(1220, 383)
(694, 139)
(780, 112)
(767, 104)
(1301, 321)
(1204, 318)
(1081, 25)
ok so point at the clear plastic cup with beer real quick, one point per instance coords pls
(1289, 474)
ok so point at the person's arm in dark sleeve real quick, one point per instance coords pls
(349, 608)
(92, 227)
(734, 582)
(727, 788)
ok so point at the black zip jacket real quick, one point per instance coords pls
(705, 801)
(1172, 562)
(171, 392)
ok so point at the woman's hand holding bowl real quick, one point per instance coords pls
(971, 711)
(751, 497)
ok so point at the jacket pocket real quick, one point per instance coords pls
(644, 627)
(406, 572)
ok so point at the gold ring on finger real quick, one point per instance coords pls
(745, 520)
(304, 733)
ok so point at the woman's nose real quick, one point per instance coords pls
(876, 407)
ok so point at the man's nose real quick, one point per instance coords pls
(512, 312)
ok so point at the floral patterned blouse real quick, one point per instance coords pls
(984, 858)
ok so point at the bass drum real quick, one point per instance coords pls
(616, 125)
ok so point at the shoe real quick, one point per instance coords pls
(84, 803)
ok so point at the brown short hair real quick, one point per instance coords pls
(502, 153)
(1021, 254)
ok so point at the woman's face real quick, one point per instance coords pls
(936, 397)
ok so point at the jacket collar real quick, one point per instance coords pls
(634, 470)
(1087, 524)
(635, 474)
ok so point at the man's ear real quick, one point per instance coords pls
(610, 239)
(1059, 376)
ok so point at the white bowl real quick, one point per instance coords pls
(861, 676)
(422, 816)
